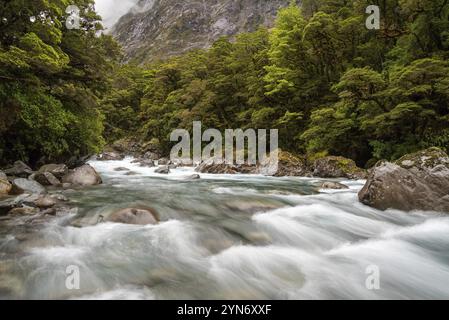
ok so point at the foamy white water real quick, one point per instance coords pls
(227, 237)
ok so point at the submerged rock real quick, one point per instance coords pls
(21, 185)
(24, 211)
(192, 177)
(119, 169)
(83, 176)
(418, 181)
(337, 167)
(19, 169)
(333, 185)
(108, 156)
(138, 216)
(57, 170)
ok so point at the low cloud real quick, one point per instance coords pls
(112, 10)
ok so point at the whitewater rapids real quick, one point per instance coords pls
(227, 237)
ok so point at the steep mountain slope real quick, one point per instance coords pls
(161, 28)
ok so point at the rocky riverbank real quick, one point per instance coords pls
(417, 181)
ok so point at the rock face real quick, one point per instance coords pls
(19, 169)
(21, 185)
(57, 170)
(288, 165)
(161, 28)
(418, 181)
(139, 216)
(337, 167)
(83, 176)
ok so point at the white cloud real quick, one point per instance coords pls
(112, 10)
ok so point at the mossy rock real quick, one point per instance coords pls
(337, 167)
(424, 159)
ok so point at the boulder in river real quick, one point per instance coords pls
(337, 167)
(163, 162)
(138, 216)
(5, 187)
(108, 156)
(19, 169)
(3, 176)
(287, 165)
(83, 176)
(151, 156)
(218, 166)
(46, 179)
(45, 202)
(418, 181)
(22, 185)
(58, 170)
(146, 163)
(163, 170)
(333, 185)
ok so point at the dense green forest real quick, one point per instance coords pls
(330, 85)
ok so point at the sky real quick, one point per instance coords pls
(112, 10)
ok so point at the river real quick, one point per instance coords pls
(225, 237)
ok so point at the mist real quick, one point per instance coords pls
(112, 10)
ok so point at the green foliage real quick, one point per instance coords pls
(51, 81)
(330, 85)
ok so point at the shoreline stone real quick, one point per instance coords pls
(418, 181)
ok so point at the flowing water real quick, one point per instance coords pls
(225, 237)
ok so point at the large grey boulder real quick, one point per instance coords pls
(418, 181)
(22, 185)
(3, 176)
(138, 216)
(58, 170)
(83, 176)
